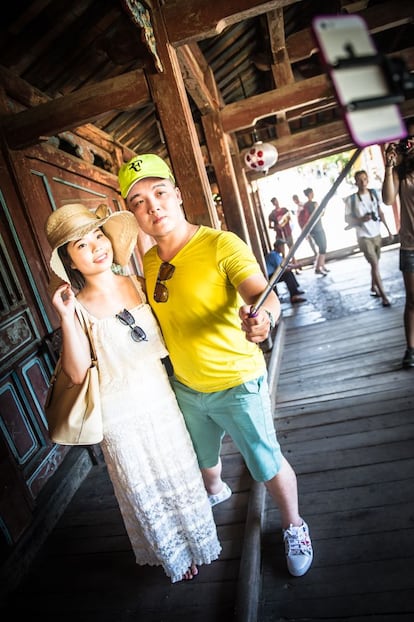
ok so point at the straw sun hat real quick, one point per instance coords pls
(71, 222)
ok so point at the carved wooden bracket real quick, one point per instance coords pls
(140, 15)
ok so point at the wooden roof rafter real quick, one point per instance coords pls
(193, 20)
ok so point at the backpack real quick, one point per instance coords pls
(374, 198)
(303, 216)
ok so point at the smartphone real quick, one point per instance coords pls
(359, 79)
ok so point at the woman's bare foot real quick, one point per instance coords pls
(191, 573)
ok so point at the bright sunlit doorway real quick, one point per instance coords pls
(320, 175)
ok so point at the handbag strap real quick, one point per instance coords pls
(86, 325)
(138, 286)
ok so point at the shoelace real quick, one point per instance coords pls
(297, 545)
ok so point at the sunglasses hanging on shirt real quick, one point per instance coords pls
(164, 274)
(127, 319)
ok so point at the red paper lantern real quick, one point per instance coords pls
(261, 156)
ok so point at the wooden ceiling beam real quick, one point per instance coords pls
(198, 79)
(313, 94)
(281, 67)
(301, 45)
(48, 119)
(245, 113)
(193, 20)
(317, 142)
(305, 146)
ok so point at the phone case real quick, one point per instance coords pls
(350, 58)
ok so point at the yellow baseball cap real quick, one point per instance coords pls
(140, 167)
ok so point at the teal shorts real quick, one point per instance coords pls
(244, 413)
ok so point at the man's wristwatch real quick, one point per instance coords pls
(271, 318)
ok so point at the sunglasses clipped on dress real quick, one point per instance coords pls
(138, 334)
(127, 319)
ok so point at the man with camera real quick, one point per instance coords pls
(399, 179)
(363, 211)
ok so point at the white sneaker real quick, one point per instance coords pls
(298, 549)
(224, 494)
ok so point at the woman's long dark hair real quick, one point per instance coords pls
(76, 278)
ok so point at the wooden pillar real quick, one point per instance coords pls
(248, 202)
(171, 101)
(231, 179)
(220, 158)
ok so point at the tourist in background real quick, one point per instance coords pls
(399, 180)
(317, 233)
(302, 216)
(273, 260)
(363, 211)
(280, 220)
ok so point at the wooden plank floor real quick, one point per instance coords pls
(344, 415)
(345, 419)
(86, 571)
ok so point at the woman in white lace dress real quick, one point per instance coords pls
(147, 449)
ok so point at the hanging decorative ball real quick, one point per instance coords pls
(261, 156)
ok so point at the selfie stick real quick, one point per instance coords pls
(304, 234)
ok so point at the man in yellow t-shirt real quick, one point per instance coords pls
(202, 284)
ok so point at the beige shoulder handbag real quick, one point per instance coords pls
(73, 411)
